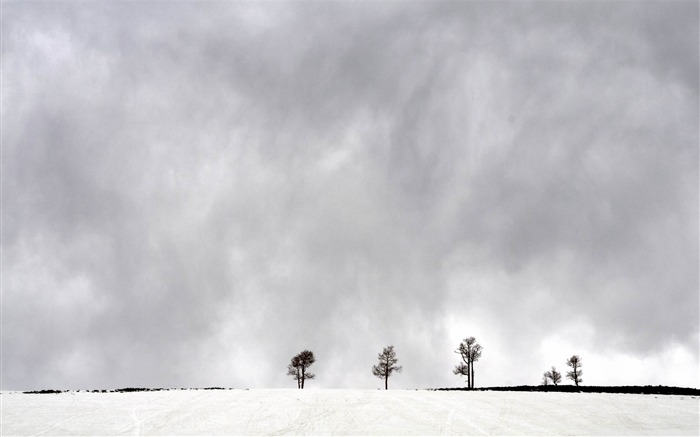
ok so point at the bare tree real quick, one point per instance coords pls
(545, 378)
(463, 369)
(298, 367)
(576, 373)
(294, 370)
(556, 376)
(470, 351)
(553, 375)
(387, 365)
(477, 349)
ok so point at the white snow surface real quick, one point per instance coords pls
(347, 412)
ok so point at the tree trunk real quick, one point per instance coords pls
(469, 376)
(386, 382)
(472, 375)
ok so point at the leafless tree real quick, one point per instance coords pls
(387, 365)
(576, 373)
(293, 369)
(554, 376)
(545, 378)
(299, 367)
(463, 369)
(477, 349)
(470, 351)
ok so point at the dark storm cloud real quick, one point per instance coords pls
(194, 194)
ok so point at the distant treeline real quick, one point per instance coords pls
(628, 389)
(120, 390)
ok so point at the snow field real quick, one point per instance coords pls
(347, 412)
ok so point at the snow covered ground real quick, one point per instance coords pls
(342, 412)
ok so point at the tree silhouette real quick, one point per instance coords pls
(387, 365)
(299, 365)
(463, 369)
(470, 351)
(553, 375)
(575, 374)
(293, 369)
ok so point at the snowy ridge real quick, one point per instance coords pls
(347, 412)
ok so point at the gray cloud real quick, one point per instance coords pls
(192, 196)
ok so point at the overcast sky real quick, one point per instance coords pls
(194, 192)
